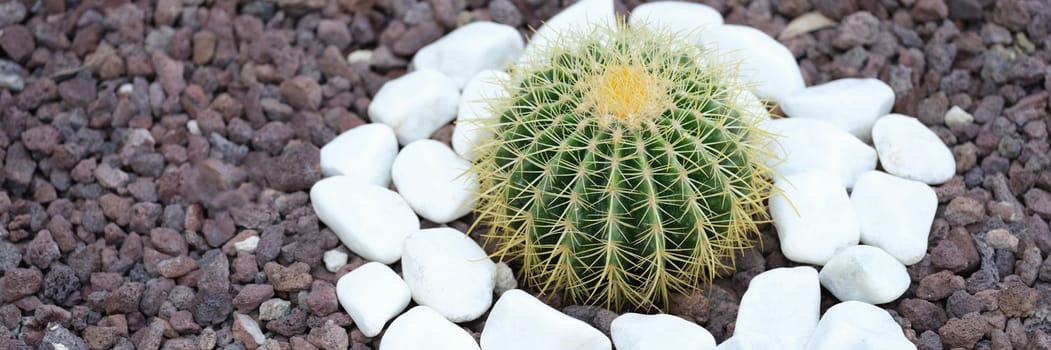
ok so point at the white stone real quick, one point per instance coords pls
(783, 304)
(764, 62)
(474, 113)
(503, 278)
(684, 18)
(894, 214)
(753, 107)
(370, 220)
(423, 328)
(372, 294)
(126, 89)
(807, 144)
(471, 49)
(633, 331)
(250, 326)
(416, 104)
(273, 309)
(749, 341)
(858, 326)
(849, 104)
(909, 149)
(248, 244)
(865, 273)
(334, 260)
(447, 271)
(435, 181)
(193, 128)
(12, 82)
(359, 56)
(813, 217)
(957, 117)
(365, 152)
(582, 16)
(519, 321)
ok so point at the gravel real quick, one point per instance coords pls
(138, 144)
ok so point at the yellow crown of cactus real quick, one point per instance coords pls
(623, 167)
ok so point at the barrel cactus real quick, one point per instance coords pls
(623, 167)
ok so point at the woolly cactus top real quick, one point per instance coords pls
(623, 167)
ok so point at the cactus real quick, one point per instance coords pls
(622, 168)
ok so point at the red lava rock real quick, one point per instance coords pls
(322, 298)
(416, 38)
(297, 168)
(1018, 300)
(17, 42)
(963, 332)
(42, 138)
(294, 278)
(99, 338)
(693, 307)
(176, 267)
(251, 295)
(923, 314)
(125, 299)
(964, 211)
(302, 92)
(294, 323)
(42, 250)
(168, 241)
(17, 283)
(939, 286)
(329, 337)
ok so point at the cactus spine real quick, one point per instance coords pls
(622, 167)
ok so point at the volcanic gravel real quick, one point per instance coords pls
(141, 140)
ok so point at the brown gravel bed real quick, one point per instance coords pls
(117, 223)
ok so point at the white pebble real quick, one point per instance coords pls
(370, 220)
(474, 114)
(273, 309)
(248, 244)
(471, 49)
(518, 321)
(416, 104)
(783, 304)
(894, 214)
(581, 17)
(193, 128)
(749, 341)
(684, 18)
(334, 260)
(503, 279)
(422, 328)
(434, 181)
(807, 144)
(447, 271)
(850, 104)
(813, 217)
(633, 331)
(865, 273)
(365, 152)
(250, 326)
(359, 56)
(957, 117)
(372, 294)
(764, 61)
(857, 325)
(909, 149)
(126, 89)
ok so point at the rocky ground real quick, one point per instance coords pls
(156, 157)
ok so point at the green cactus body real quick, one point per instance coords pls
(622, 168)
